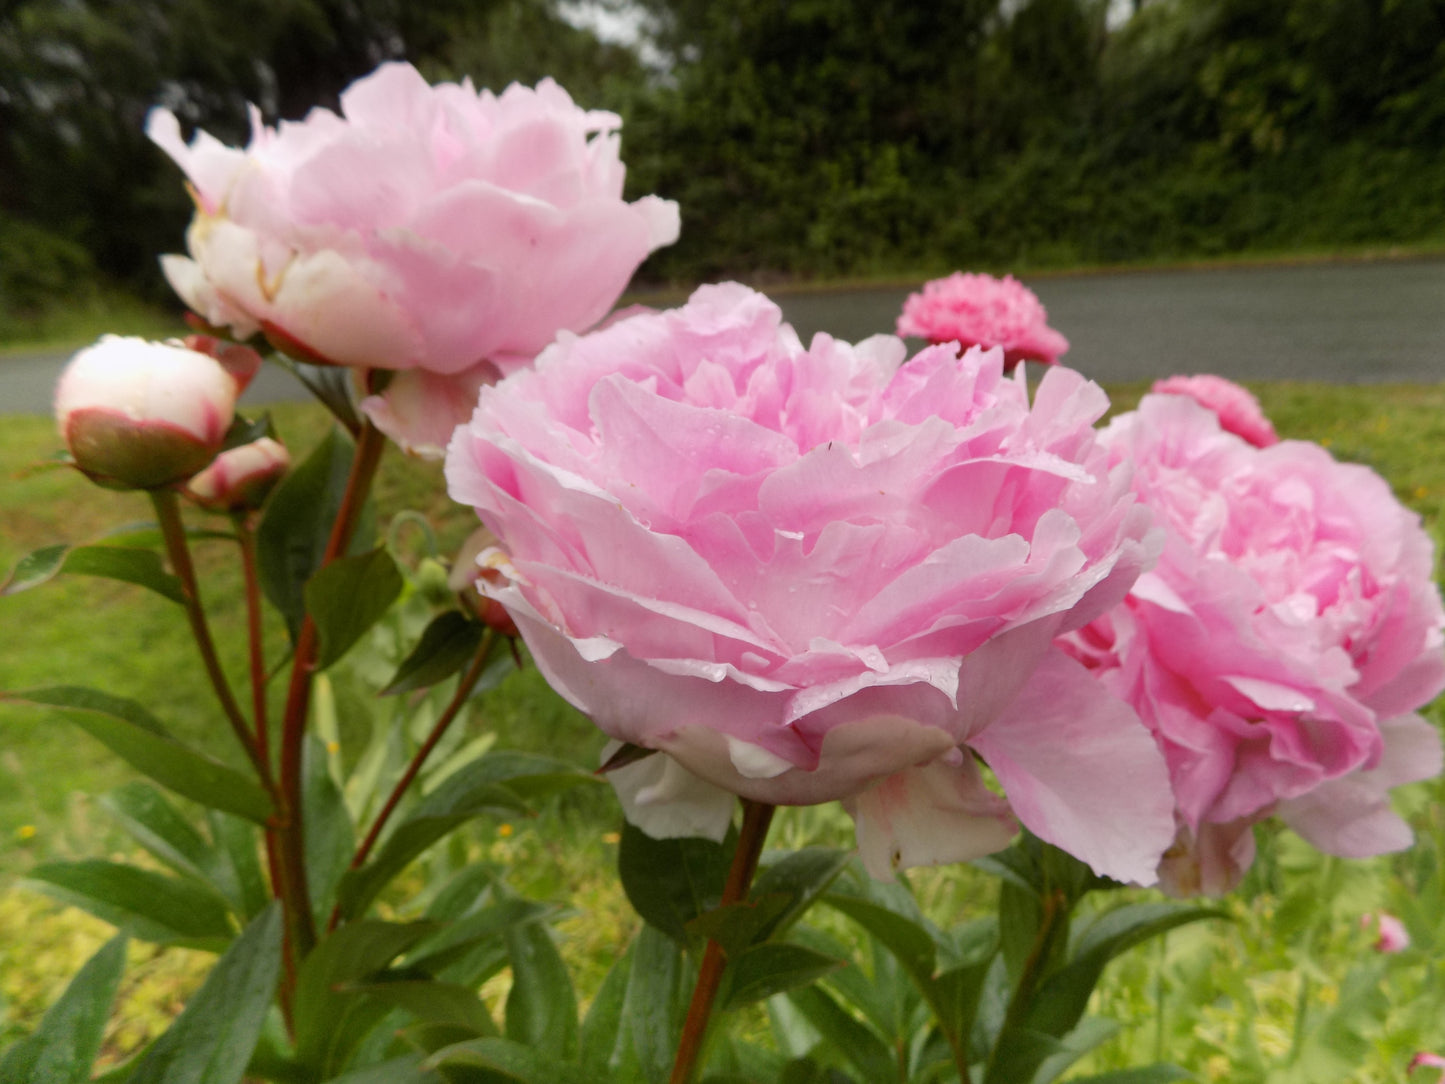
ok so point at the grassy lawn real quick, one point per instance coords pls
(1199, 997)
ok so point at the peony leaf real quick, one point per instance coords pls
(446, 645)
(772, 967)
(134, 734)
(151, 905)
(542, 1004)
(292, 537)
(124, 563)
(347, 597)
(212, 1040)
(670, 882)
(510, 1060)
(65, 1045)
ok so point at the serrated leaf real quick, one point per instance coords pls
(212, 1039)
(771, 968)
(151, 906)
(670, 882)
(131, 732)
(348, 597)
(144, 568)
(445, 647)
(65, 1045)
(542, 1004)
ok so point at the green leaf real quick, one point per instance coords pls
(243, 432)
(652, 1017)
(670, 882)
(347, 597)
(1092, 1032)
(848, 1036)
(152, 906)
(131, 732)
(63, 1048)
(1064, 995)
(158, 826)
(739, 925)
(331, 384)
(513, 1060)
(330, 837)
(329, 1023)
(603, 1025)
(138, 566)
(771, 968)
(483, 786)
(1148, 1074)
(403, 1070)
(909, 942)
(1018, 1055)
(236, 842)
(490, 922)
(211, 1041)
(446, 645)
(292, 537)
(541, 1005)
(802, 877)
(431, 1002)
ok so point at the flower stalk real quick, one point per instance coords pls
(757, 816)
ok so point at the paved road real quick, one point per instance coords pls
(1343, 323)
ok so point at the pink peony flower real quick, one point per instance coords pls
(809, 574)
(980, 310)
(430, 228)
(143, 415)
(1393, 937)
(1281, 646)
(241, 477)
(1239, 411)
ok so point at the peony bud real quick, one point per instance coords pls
(1393, 935)
(480, 561)
(240, 478)
(142, 415)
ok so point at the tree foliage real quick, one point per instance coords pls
(802, 137)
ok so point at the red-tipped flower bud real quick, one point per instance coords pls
(142, 415)
(241, 478)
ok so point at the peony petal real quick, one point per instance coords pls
(929, 816)
(1082, 772)
(667, 801)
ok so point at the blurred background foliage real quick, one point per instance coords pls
(803, 138)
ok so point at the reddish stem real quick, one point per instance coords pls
(369, 446)
(464, 689)
(756, 818)
(173, 531)
(247, 539)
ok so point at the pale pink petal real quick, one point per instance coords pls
(929, 816)
(1082, 772)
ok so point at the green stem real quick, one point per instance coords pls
(756, 818)
(173, 532)
(247, 538)
(464, 689)
(302, 923)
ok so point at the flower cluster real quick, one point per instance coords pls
(1280, 648)
(441, 231)
(816, 573)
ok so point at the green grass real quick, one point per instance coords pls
(1221, 999)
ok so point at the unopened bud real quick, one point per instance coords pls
(241, 478)
(143, 415)
(467, 577)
